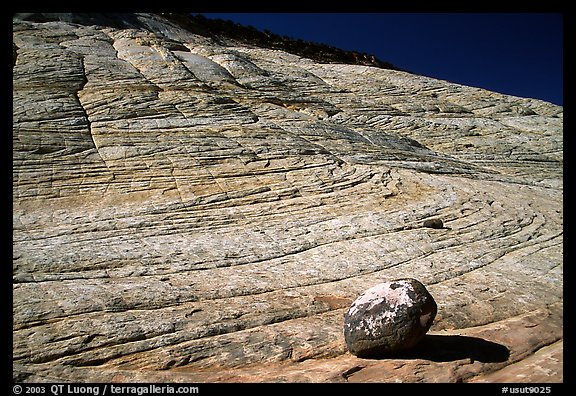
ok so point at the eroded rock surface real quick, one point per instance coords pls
(190, 209)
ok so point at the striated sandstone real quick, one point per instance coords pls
(187, 208)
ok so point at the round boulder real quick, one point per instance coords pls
(388, 318)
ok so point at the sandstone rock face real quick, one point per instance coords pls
(186, 208)
(388, 318)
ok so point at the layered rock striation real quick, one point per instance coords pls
(188, 208)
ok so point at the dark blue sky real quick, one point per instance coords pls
(518, 54)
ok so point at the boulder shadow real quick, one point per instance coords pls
(446, 348)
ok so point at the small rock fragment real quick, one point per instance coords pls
(388, 318)
(433, 223)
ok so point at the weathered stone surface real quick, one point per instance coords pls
(388, 318)
(190, 209)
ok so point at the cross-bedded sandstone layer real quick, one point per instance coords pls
(186, 208)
